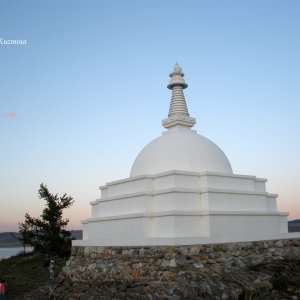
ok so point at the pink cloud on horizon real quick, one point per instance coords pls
(10, 115)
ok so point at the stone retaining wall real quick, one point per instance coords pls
(186, 271)
(167, 263)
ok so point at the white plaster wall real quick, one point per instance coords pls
(173, 201)
(176, 180)
(124, 206)
(125, 198)
(117, 232)
(192, 226)
(126, 186)
(172, 208)
(104, 191)
(185, 229)
(282, 224)
(85, 231)
(236, 227)
(260, 185)
(231, 183)
(271, 203)
(179, 226)
(227, 201)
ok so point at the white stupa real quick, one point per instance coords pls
(182, 191)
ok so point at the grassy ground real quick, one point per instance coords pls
(23, 273)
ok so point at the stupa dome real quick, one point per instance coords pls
(180, 148)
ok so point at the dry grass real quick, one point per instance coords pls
(23, 273)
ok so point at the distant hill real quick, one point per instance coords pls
(294, 226)
(10, 239)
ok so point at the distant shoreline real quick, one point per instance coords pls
(11, 239)
(12, 245)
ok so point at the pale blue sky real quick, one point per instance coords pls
(88, 92)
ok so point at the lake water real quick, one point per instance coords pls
(8, 252)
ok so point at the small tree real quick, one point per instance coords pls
(25, 235)
(47, 233)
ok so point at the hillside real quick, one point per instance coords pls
(10, 239)
(23, 273)
(294, 226)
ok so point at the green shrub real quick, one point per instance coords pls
(280, 282)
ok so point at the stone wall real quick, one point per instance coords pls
(177, 272)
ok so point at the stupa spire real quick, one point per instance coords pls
(178, 112)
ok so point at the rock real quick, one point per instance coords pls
(204, 257)
(170, 250)
(194, 251)
(181, 261)
(136, 273)
(141, 252)
(198, 265)
(279, 244)
(211, 261)
(173, 263)
(92, 266)
(165, 263)
(257, 260)
(128, 252)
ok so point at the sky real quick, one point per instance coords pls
(88, 91)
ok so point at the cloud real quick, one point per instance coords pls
(10, 115)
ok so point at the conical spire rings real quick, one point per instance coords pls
(178, 112)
